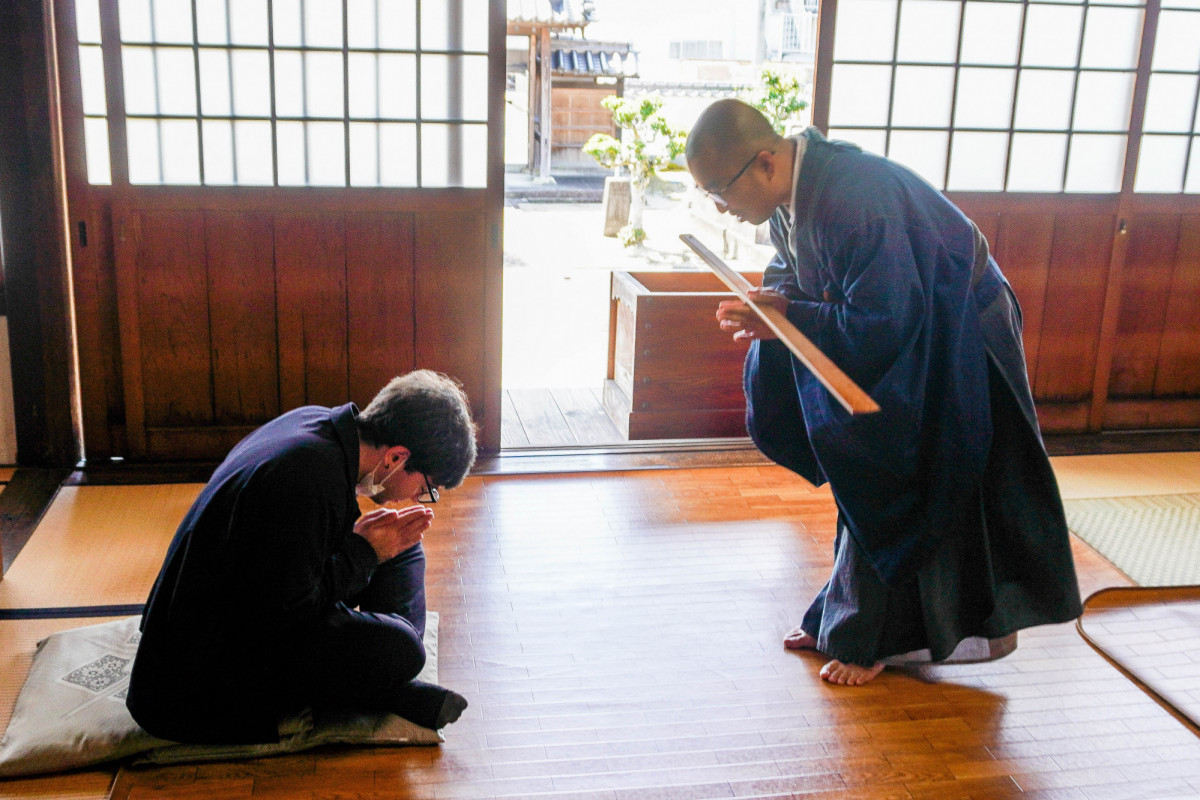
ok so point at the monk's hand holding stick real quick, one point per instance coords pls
(391, 531)
(739, 319)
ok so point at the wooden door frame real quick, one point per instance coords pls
(104, 407)
(37, 260)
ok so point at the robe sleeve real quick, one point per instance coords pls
(871, 326)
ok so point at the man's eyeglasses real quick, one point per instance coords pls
(716, 195)
(430, 495)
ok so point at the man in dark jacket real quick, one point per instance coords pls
(277, 594)
(951, 534)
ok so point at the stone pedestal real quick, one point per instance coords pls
(617, 196)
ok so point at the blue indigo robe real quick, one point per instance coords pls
(887, 278)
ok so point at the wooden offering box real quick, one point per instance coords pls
(672, 373)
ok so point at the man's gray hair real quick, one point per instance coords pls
(428, 413)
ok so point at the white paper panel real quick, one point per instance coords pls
(141, 135)
(985, 97)
(1161, 164)
(1112, 37)
(454, 25)
(91, 74)
(859, 95)
(134, 20)
(87, 21)
(95, 139)
(924, 152)
(326, 154)
(1169, 103)
(865, 30)
(1103, 101)
(173, 21)
(452, 87)
(1096, 163)
(1177, 41)
(180, 141)
(991, 33)
(176, 80)
(454, 155)
(928, 31)
(923, 96)
(1051, 36)
(1044, 99)
(218, 152)
(1036, 163)
(324, 85)
(977, 162)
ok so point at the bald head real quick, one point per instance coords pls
(728, 132)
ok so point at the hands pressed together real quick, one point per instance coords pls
(391, 531)
(738, 318)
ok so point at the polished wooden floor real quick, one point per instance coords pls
(618, 636)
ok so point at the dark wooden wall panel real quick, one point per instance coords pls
(1074, 305)
(102, 398)
(310, 263)
(241, 299)
(36, 255)
(379, 280)
(450, 259)
(1022, 248)
(172, 296)
(1145, 289)
(1179, 359)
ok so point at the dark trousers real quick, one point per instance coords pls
(365, 658)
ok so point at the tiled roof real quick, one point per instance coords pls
(583, 57)
(559, 13)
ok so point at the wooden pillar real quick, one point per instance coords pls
(546, 112)
(531, 103)
(36, 261)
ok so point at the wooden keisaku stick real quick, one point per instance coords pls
(844, 390)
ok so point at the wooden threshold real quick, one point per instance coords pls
(651, 454)
(1086, 444)
(656, 454)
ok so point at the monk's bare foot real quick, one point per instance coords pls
(849, 674)
(797, 639)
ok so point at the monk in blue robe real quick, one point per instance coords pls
(951, 535)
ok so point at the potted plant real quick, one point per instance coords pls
(648, 143)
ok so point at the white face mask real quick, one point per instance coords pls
(367, 487)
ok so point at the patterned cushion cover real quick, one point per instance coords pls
(71, 711)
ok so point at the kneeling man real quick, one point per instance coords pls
(277, 593)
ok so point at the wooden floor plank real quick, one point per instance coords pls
(512, 433)
(586, 417)
(618, 636)
(541, 418)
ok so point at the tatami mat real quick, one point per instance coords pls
(96, 545)
(1127, 475)
(18, 639)
(1154, 539)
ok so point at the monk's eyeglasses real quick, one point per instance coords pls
(717, 195)
(430, 495)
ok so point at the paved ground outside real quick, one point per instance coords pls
(557, 268)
